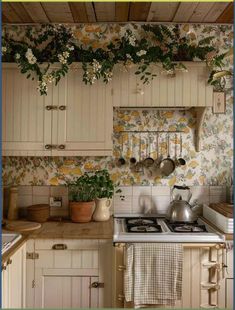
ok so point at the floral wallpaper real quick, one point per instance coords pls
(211, 166)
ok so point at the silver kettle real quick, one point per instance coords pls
(180, 210)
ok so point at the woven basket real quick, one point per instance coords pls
(38, 213)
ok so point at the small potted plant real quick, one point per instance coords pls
(104, 192)
(82, 194)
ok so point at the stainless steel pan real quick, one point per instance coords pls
(167, 165)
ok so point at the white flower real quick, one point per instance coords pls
(48, 78)
(4, 49)
(96, 65)
(30, 57)
(32, 60)
(17, 56)
(132, 40)
(70, 47)
(42, 87)
(108, 76)
(62, 59)
(128, 56)
(66, 54)
(141, 53)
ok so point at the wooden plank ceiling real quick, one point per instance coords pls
(90, 12)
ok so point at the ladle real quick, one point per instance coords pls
(181, 160)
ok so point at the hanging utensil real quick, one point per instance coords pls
(121, 161)
(139, 164)
(149, 161)
(180, 160)
(157, 160)
(167, 165)
(132, 159)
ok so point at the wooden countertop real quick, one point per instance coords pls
(64, 230)
(69, 230)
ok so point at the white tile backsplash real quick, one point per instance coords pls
(40, 199)
(24, 200)
(122, 204)
(142, 190)
(160, 204)
(59, 190)
(41, 190)
(25, 190)
(125, 191)
(160, 191)
(142, 204)
(132, 199)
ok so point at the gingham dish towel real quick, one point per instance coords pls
(153, 274)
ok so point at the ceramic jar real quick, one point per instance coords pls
(102, 210)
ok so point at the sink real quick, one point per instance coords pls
(8, 240)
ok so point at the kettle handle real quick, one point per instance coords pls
(181, 187)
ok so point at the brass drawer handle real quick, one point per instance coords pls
(62, 107)
(61, 146)
(59, 246)
(51, 107)
(9, 261)
(97, 285)
(48, 146)
(121, 268)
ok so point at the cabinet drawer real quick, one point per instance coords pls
(65, 244)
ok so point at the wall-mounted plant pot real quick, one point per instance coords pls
(81, 212)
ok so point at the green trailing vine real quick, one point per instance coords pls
(158, 44)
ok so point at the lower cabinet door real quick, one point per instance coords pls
(5, 289)
(67, 292)
(13, 281)
(229, 294)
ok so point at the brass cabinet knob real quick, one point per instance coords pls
(49, 107)
(48, 146)
(61, 146)
(9, 261)
(62, 107)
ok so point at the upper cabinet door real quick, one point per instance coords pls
(26, 128)
(185, 89)
(83, 122)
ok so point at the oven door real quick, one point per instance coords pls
(203, 276)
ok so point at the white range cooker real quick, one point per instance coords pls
(155, 228)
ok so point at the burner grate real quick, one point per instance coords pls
(143, 225)
(180, 227)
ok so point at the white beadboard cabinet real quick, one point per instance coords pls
(185, 89)
(73, 119)
(70, 274)
(203, 284)
(14, 280)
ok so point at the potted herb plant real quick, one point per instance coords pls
(82, 194)
(104, 192)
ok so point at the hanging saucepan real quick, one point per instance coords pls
(167, 165)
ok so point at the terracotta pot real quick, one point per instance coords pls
(81, 212)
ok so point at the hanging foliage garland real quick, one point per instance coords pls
(157, 44)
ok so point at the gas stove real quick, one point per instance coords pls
(154, 228)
